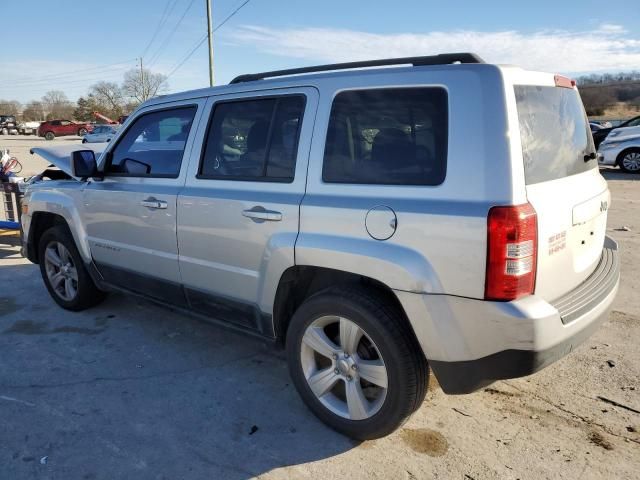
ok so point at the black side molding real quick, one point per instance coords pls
(442, 59)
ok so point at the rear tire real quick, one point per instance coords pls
(49, 136)
(360, 405)
(629, 160)
(64, 273)
(82, 132)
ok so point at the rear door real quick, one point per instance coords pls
(67, 127)
(130, 216)
(563, 184)
(239, 211)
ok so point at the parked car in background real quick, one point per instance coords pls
(28, 128)
(622, 150)
(594, 127)
(601, 134)
(8, 125)
(60, 128)
(100, 134)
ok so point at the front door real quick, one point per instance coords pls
(130, 216)
(238, 213)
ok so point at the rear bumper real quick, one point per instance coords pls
(472, 343)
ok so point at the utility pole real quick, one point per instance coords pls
(210, 35)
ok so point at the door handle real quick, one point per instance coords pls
(260, 214)
(152, 202)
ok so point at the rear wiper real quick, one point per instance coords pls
(590, 156)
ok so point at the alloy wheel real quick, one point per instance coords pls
(631, 161)
(343, 367)
(61, 271)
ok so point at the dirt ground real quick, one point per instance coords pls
(132, 390)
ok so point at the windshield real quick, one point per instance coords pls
(554, 132)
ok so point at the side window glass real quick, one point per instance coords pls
(153, 145)
(394, 136)
(254, 140)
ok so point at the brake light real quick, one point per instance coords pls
(512, 252)
(565, 82)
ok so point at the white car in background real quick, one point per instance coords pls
(100, 134)
(622, 148)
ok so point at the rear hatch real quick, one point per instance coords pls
(564, 186)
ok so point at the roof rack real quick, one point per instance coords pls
(442, 59)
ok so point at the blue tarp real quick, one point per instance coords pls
(9, 225)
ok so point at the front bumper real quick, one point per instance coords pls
(471, 343)
(607, 157)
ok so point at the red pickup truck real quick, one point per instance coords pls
(59, 128)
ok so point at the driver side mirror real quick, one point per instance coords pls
(83, 164)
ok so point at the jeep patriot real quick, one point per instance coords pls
(438, 216)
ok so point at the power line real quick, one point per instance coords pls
(170, 36)
(63, 75)
(161, 23)
(64, 84)
(202, 40)
(86, 76)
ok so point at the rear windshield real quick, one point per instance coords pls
(554, 131)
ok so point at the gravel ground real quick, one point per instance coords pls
(132, 390)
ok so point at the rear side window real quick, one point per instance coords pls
(254, 140)
(394, 136)
(554, 131)
(154, 144)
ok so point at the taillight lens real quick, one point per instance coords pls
(512, 251)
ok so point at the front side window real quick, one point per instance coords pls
(391, 136)
(254, 140)
(153, 145)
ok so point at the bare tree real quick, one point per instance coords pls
(141, 85)
(108, 98)
(10, 107)
(57, 105)
(33, 111)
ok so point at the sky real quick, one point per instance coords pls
(70, 44)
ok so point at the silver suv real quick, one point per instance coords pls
(442, 215)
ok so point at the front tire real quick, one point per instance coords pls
(82, 132)
(355, 361)
(629, 160)
(64, 273)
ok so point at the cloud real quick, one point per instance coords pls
(607, 47)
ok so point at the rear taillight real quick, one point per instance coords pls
(512, 250)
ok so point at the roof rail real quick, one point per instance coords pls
(442, 59)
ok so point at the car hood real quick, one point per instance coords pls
(631, 137)
(60, 155)
(624, 131)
